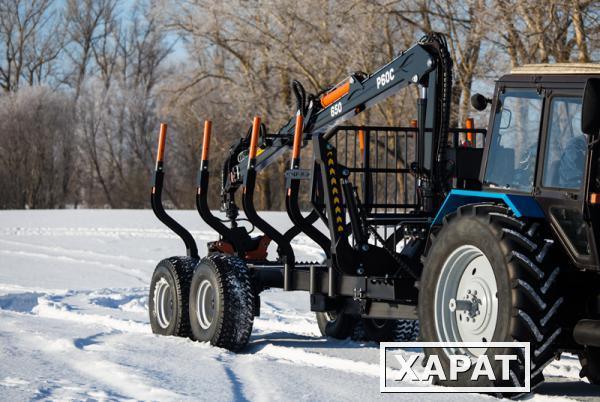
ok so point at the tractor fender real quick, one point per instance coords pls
(521, 205)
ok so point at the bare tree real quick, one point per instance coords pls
(36, 149)
(88, 21)
(30, 42)
(545, 31)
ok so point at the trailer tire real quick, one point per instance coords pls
(336, 325)
(376, 330)
(524, 273)
(590, 364)
(169, 295)
(222, 302)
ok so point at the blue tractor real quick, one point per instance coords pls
(454, 234)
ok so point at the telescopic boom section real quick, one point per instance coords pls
(336, 93)
(156, 198)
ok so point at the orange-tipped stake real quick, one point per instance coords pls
(470, 124)
(361, 141)
(254, 138)
(206, 139)
(162, 136)
(297, 140)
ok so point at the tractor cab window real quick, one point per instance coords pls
(514, 143)
(567, 145)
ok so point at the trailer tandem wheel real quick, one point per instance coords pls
(168, 298)
(336, 325)
(222, 302)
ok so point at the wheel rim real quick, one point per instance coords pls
(466, 299)
(163, 300)
(331, 316)
(205, 304)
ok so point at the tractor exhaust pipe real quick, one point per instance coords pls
(156, 198)
(587, 332)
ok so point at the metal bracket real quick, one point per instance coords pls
(359, 296)
(298, 174)
(358, 293)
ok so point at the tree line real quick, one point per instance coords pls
(85, 83)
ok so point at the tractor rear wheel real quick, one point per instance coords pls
(222, 302)
(407, 330)
(489, 276)
(168, 298)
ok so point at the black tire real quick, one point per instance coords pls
(176, 272)
(526, 277)
(590, 364)
(229, 301)
(375, 330)
(407, 330)
(336, 325)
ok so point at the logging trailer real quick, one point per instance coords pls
(480, 235)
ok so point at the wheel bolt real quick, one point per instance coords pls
(452, 305)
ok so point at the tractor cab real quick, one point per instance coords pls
(537, 148)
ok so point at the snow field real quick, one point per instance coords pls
(74, 325)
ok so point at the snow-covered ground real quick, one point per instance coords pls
(74, 325)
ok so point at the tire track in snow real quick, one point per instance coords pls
(53, 306)
(112, 374)
(62, 250)
(52, 309)
(133, 272)
(116, 233)
(9, 288)
(301, 242)
(300, 356)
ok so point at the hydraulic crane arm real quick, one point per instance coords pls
(427, 65)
